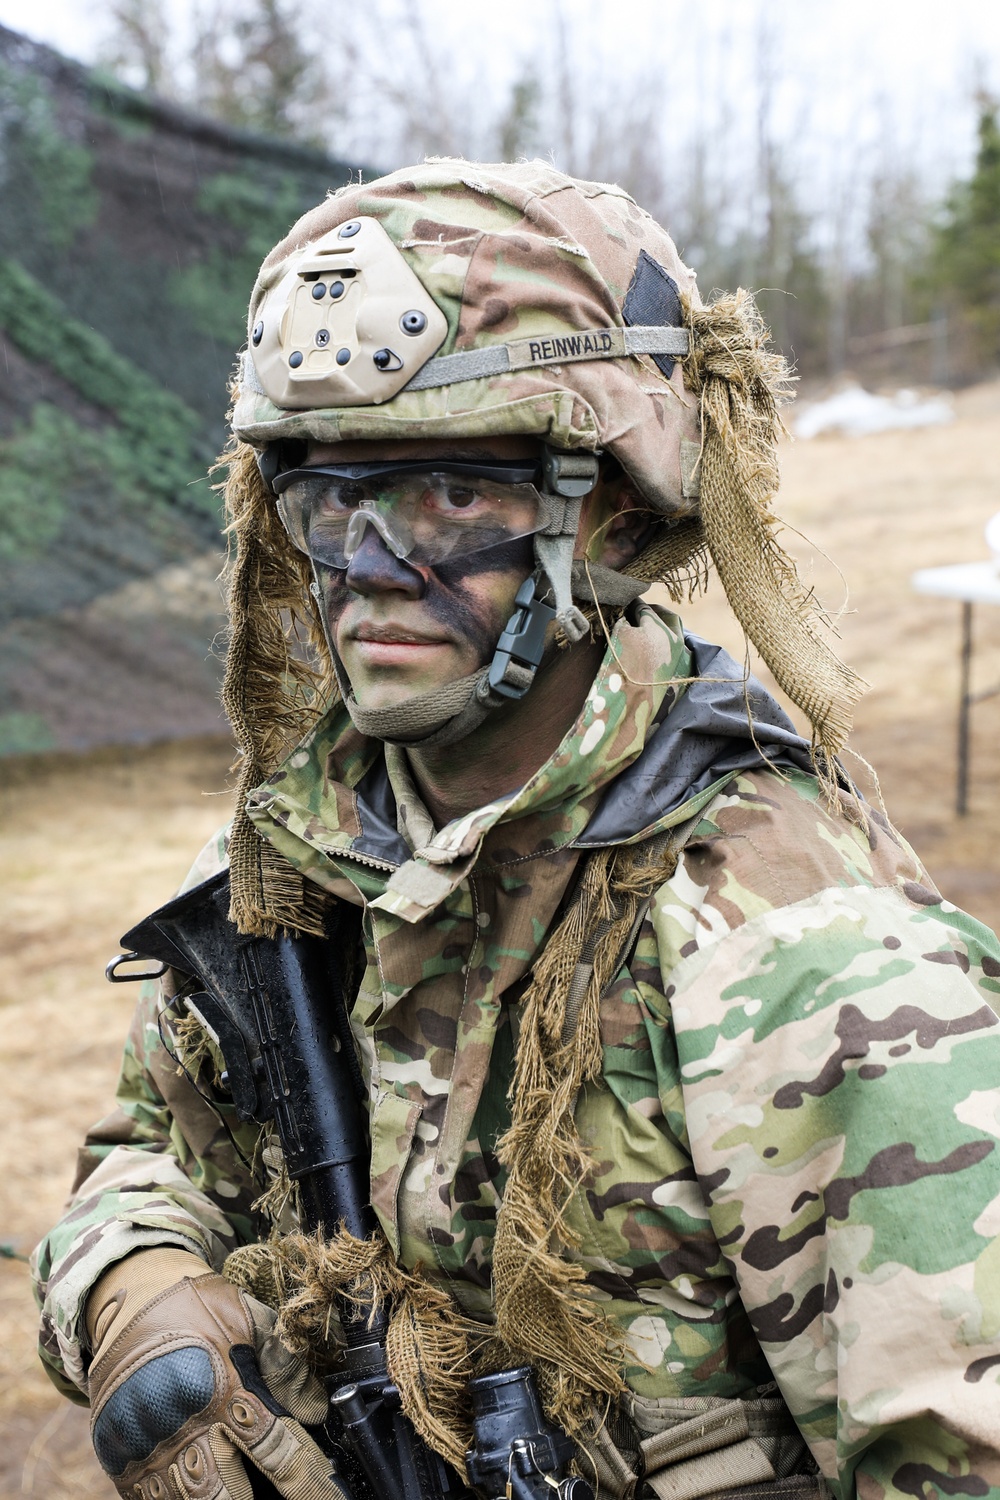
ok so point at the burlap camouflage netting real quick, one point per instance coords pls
(543, 1314)
(278, 676)
(740, 383)
(430, 1345)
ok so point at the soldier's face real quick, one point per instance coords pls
(400, 629)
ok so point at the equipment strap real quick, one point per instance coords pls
(556, 349)
(747, 1446)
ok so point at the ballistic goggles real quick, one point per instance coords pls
(425, 512)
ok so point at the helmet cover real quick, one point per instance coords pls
(520, 256)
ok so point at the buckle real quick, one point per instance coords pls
(521, 646)
(569, 475)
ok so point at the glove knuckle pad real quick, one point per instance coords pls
(152, 1404)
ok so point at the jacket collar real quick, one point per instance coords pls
(668, 720)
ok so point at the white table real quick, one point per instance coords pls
(970, 583)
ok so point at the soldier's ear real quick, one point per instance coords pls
(628, 529)
(626, 536)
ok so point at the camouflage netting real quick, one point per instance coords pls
(129, 235)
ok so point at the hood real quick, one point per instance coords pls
(668, 721)
(725, 723)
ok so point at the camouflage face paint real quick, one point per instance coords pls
(401, 631)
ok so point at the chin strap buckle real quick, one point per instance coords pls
(570, 475)
(521, 646)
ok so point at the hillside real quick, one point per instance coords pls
(130, 233)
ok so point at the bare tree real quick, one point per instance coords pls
(138, 49)
(517, 126)
(712, 128)
(252, 67)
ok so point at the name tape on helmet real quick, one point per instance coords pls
(554, 349)
(522, 354)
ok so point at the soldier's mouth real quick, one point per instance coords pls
(395, 635)
(390, 645)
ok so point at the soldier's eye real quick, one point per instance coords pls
(346, 496)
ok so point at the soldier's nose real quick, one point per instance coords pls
(375, 570)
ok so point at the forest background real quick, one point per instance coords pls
(141, 190)
(778, 159)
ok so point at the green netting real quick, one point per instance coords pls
(130, 234)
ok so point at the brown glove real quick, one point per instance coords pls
(187, 1375)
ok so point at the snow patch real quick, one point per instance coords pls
(856, 412)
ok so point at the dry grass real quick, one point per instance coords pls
(90, 845)
(882, 507)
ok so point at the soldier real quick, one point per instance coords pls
(682, 1077)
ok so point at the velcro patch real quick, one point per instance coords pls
(653, 298)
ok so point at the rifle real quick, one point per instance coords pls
(279, 1013)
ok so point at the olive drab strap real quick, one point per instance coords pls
(688, 1448)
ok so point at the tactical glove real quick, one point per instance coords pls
(187, 1376)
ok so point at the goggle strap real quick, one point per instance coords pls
(501, 471)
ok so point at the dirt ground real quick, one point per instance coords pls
(89, 845)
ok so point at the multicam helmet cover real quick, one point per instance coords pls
(548, 289)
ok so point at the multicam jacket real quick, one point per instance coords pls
(796, 1174)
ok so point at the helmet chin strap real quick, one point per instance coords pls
(449, 713)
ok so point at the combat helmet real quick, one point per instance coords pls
(457, 299)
